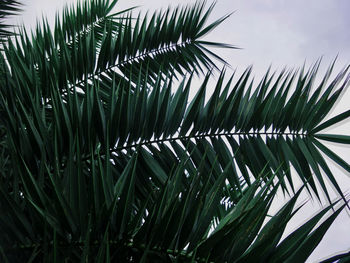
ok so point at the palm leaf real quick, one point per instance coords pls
(103, 158)
(111, 48)
(257, 132)
(7, 8)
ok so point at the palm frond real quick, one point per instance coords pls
(77, 20)
(102, 159)
(7, 8)
(274, 126)
(277, 125)
(118, 50)
(182, 220)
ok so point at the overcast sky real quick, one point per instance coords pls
(270, 32)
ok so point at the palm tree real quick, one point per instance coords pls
(105, 158)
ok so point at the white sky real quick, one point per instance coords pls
(278, 33)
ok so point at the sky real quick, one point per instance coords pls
(277, 33)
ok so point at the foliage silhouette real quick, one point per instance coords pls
(105, 158)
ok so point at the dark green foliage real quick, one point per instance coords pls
(7, 9)
(102, 160)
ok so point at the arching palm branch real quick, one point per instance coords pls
(102, 161)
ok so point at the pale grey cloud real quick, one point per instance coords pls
(287, 32)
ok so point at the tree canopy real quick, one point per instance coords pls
(105, 157)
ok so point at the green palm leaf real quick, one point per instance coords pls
(106, 157)
(7, 8)
(110, 48)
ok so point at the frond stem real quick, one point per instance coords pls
(199, 136)
(134, 58)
